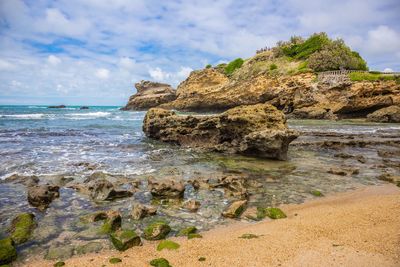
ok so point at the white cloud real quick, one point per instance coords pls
(127, 63)
(184, 72)
(388, 70)
(5, 65)
(102, 73)
(158, 74)
(53, 60)
(383, 40)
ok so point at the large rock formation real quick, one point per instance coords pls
(301, 95)
(258, 130)
(150, 94)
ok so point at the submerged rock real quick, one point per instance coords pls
(140, 211)
(22, 227)
(388, 114)
(395, 179)
(186, 231)
(41, 196)
(235, 209)
(91, 247)
(191, 205)
(258, 130)
(124, 239)
(156, 231)
(166, 188)
(112, 222)
(8, 253)
(59, 106)
(28, 181)
(150, 94)
(59, 253)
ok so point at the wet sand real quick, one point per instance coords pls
(358, 228)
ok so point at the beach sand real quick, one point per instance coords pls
(358, 228)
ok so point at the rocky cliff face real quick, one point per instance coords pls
(150, 94)
(258, 130)
(300, 95)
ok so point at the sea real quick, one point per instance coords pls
(60, 145)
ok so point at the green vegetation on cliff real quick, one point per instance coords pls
(233, 65)
(372, 77)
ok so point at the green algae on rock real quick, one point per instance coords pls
(112, 223)
(235, 209)
(316, 193)
(248, 236)
(8, 253)
(160, 262)
(91, 247)
(274, 213)
(60, 253)
(167, 244)
(202, 259)
(156, 231)
(194, 235)
(186, 231)
(124, 239)
(22, 227)
(59, 264)
(115, 260)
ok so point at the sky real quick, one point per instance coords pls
(91, 52)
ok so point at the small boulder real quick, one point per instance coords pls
(166, 188)
(186, 231)
(22, 227)
(235, 209)
(140, 211)
(191, 205)
(273, 213)
(102, 189)
(124, 239)
(156, 231)
(112, 222)
(8, 253)
(160, 262)
(41, 196)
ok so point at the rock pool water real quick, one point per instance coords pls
(60, 145)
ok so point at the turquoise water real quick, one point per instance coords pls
(61, 143)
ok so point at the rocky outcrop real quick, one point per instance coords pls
(300, 95)
(150, 94)
(389, 114)
(258, 130)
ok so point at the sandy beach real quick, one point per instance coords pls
(357, 228)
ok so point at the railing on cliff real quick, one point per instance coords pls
(342, 76)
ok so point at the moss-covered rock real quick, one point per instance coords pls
(186, 231)
(22, 227)
(316, 193)
(59, 264)
(167, 244)
(202, 259)
(275, 213)
(156, 231)
(8, 253)
(114, 260)
(124, 239)
(235, 209)
(194, 235)
(112, 223)
(160, 262)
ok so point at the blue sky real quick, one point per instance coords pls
(92, 51)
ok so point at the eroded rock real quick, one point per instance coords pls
(167, 188)
(388, 114)
(41, 196)
(191, 205)
(156, 231)
(104, 190)
(150, 94)
(124, 239)
(235, 209)
(258, 130)
(140, 211)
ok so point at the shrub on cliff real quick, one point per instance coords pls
(299, 49)
(208, 66)
(233, 65)
(273, 66)
(336, 55)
